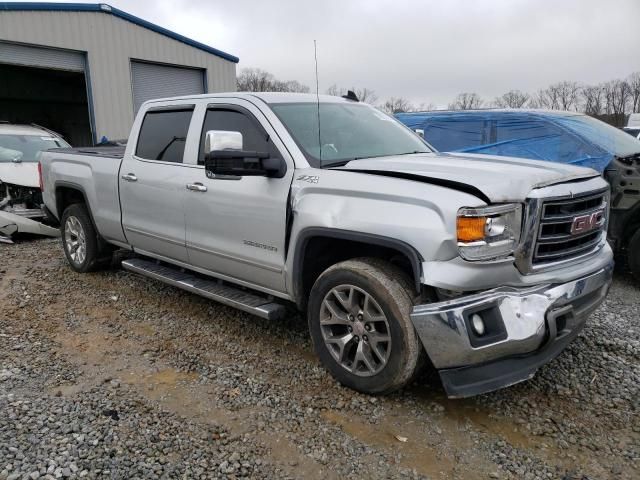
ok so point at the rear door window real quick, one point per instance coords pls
(163, 135)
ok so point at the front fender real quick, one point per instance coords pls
(415, 218)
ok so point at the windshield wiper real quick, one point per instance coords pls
(410, 153)
(341, 163)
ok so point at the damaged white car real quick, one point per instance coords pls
(21, 206)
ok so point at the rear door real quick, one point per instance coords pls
(237, 227)
(152, 184)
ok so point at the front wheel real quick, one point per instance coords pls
(359, 320)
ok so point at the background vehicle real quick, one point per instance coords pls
(397, 254)
(633, 131)
(555, 136)
(20, 196)
(633, 125)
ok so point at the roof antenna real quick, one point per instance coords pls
(315, 53)
(351, 95)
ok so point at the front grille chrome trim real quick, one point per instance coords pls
(557, 239)
(528, 260)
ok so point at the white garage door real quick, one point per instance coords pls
(150, 80)
(25, 55)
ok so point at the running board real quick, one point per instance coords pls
(212, 289)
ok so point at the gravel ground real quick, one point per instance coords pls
(112, 375)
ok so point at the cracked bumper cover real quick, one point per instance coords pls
(526, 328)
(11, 223)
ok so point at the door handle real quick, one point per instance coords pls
(196, 187)
(130, 177)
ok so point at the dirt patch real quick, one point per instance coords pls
(259, 381)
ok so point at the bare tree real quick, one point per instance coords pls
(634, 90)
(545, 98)
(512, 99)
(397, 105)
(257, 80)
(593, 98)
(293, 86)
(568, 95)
(559, 96)
(425, 107)
(335, 90)
(365, 95)
(617, 96)
(254, 80)
(466, 101)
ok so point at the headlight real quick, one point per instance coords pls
(489, 232)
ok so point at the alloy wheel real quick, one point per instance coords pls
(75, 240)
(355, 330)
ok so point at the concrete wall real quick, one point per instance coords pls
(111, 43)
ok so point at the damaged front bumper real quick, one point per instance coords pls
(11, 223)
(521, 330)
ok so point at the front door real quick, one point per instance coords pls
(237, 227)
(152, 185)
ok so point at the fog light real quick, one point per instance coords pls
(477, 323)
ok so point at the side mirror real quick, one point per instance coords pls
(225, 158)
(419, 132)
(222, 140)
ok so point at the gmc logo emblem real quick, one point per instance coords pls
(586, 223)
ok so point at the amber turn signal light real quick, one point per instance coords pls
(471, 229)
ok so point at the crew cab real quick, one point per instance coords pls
(482, 266)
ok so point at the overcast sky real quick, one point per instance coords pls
(426, 51)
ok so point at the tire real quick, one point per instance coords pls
(356, 360)
(77, 231)
(633, 255)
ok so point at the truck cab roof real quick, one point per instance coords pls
(267, 97)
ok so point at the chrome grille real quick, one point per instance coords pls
(570, 227)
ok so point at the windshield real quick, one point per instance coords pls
(347, 132)
(609, 138)
(26, 148)
(634, 132)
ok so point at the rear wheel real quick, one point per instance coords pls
(79, 239)
(360, 325)
(633, 255)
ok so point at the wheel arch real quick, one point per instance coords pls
(304, 272)
(68, 193)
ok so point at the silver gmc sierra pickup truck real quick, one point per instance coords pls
(484, 267)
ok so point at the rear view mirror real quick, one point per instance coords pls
(419, 132)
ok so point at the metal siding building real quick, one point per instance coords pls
(49, 43)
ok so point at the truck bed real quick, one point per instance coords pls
(93, 171)
(108, 151)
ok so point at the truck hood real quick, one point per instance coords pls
(491, 178)
(24, 174)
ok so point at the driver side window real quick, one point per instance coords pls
(253, 137)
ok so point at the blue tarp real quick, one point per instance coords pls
(541, 135)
